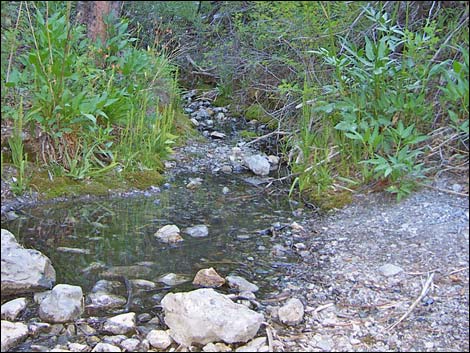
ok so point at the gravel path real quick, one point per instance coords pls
(351, 304)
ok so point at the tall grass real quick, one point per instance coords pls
(97, 105)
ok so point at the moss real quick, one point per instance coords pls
(143, 179)
(98, 186)
(329, 201)
(256, 112)
(246, 134)
(222, 101)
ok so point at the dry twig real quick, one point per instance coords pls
(415, 303)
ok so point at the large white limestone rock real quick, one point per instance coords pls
(203, 316)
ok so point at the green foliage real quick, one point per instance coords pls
(455, 94)
(85, 96)
(19, 158)
(377, 105)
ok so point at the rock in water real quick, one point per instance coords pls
(203, 316)
(258, 164)
(208, 277)
(198, 231)
(169, 234)
(65, 303)
(120, 324)
(23, 270)
(240, 284)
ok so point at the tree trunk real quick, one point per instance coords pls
(92, 13)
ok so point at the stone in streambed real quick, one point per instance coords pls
(65, 303)
(208, 277)
(203, 316)
(258, 164)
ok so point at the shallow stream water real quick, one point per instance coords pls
(243, 227)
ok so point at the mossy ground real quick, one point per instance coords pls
(98, 186)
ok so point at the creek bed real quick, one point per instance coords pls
(243, 224)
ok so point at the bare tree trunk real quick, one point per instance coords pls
(92, 14)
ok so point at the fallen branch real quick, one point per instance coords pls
(265, 136)
(415, 303)
(269, 333)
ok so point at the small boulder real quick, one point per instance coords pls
(105, 347)
(198, 231)
(291, 313)
(258, 164)
(389, 270)
(105, 301)
(208, 277)
(23, 270)
(169, 234)
(64, 304)
(173, 279)
(203, 316)
(240, 284)
(120, 324)
(159, 339)
(13, 333)
(10, 310)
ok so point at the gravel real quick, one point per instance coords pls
(349, 249)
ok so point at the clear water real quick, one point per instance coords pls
(120, 232)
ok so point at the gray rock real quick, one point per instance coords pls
(38, 327)
(114, 340)
(103, 300)
(173, 279)
(389, 270)
(218, 347)
(258, 164)
(130, 345)
(23, 270)
(217, 135)
(142, 284)
(203, 316)
(120, 324)
(291, 313)
(198, 231)
(105, 347)
(325, 344)
(10, 310)
(40, 296)
(103, 285)
(255, 345)
(194, 183)
(240, 284)
(13, 333)
(225, 190)
(65, 303)
(208, 277)
(77, 347)
(159, 339)
(169, 234)
(273, 160)
(94, 267)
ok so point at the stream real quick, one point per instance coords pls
(249, 227)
